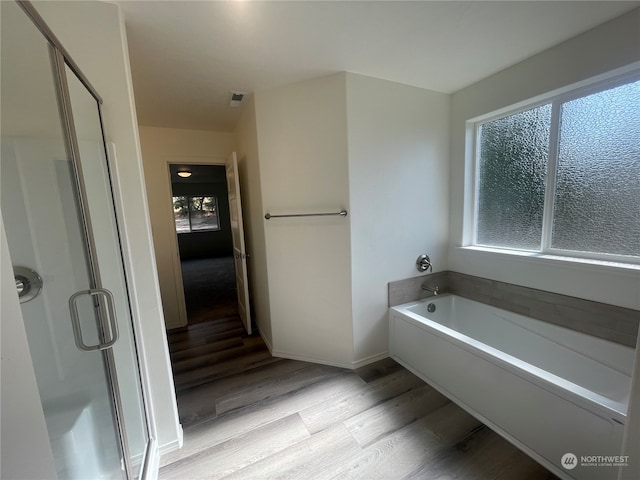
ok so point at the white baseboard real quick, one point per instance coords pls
(174, 444)
(370, 359)
(172, 325)
(266, 342)
(350, 366)
(303, 358)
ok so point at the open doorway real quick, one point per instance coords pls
(205, 243)
(218, 340)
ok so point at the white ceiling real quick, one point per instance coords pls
(187, 56)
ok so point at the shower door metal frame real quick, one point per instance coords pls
(61, 58)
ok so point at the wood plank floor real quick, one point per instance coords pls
(247, 415)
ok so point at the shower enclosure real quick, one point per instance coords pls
(62, 232)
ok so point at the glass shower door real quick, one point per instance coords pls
(98, 198)
(58, 212)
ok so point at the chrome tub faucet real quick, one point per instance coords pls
(429, 288)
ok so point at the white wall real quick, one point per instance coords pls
(94, 35)
(302, 139)
(380, 150)
(161, 146)
(246, 146)
(609, 46)
(399, 195)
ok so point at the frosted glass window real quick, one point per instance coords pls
(597, 196)
(513, 157)
(563, 177)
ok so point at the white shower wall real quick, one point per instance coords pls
(42, 235)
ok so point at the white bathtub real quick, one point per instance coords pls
(547, 389)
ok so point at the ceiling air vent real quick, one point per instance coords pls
(236, 99)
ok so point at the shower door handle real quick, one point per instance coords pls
(75, 319)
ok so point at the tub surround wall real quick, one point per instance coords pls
(410, 289)
(601, 320)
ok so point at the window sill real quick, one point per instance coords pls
(553, 259)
